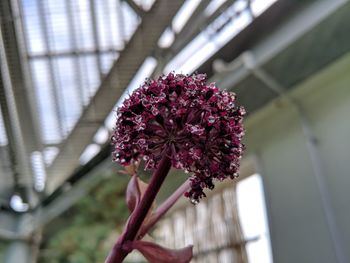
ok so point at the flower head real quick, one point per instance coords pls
(201, 125)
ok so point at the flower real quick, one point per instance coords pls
(200, 124)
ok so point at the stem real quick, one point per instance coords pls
(164, 207)
(118, 252)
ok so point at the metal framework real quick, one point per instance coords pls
(136, 51)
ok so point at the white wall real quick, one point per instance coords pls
(299, 231)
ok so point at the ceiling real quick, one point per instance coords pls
(69, 62)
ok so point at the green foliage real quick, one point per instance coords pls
(87, 225)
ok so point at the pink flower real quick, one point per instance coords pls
(199, 123)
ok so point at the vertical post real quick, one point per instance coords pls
(15, 124)
(21, 250)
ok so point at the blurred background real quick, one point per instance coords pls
(65, 67)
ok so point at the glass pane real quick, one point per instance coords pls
(70, 99)
(92, 74)
(32, 27)
(103, 24)
(107, 62)
(115, 34)
(131, 20)
(50, 128)
(82, 25)
(58, 26)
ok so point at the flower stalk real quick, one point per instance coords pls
(163, 208)
(120, 251)
(176, 121)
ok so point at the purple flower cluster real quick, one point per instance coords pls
(201, 125)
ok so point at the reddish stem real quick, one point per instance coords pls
(119, 252)
(164, 207)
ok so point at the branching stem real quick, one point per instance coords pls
(119, 251)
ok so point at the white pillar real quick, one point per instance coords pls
(19, 252)
(23, 250)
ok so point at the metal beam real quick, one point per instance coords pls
(7, 235)
(6, 175)
(165, 55)
(19, 72)
(113, 85)
(17, 105)
(300, 23)
(196, 24)
(72, 53)
(84, 180)
(80, 184)
(181, 38)
(193, 27)
(71, 195)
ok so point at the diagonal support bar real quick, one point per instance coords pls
(140, 46)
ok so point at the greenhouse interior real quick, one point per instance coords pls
(90, 90)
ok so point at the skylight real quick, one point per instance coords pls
(215, 35)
